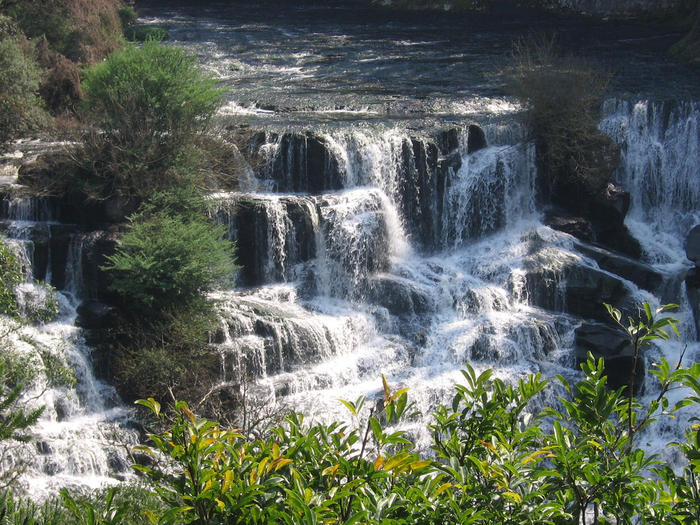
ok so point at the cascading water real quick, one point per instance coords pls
(390, 225)
(661, 154)
(82, 437)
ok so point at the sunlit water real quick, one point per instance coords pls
(389, 253)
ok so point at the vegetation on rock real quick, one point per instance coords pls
(170, 256)
(21, 109)
(149, 104)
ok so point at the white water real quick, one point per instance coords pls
(350, 287)
(82, 437)
(418, 316)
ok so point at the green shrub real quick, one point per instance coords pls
(166, 355)
(20, 107)
(10, 277)
(143, 33)
(169, 256)
(82, 30)
(498, 457)
(150, 104)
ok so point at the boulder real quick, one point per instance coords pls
(579, 227)
(399, 296)
(576, 289)
(639, 273)
(95, 315)
(476, 138)
(692, 281)
(304, 163)
(608, 210)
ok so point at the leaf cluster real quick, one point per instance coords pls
(497, 459)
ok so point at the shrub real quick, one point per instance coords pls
(144, 33)
(60, 87)
(563, 95)
(150, 103)
(170, 255)
(82, 30)
(166, 356)
(20, 108)
(10, 277)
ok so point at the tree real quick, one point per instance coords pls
(150, 103)
(563, 95)
(170, 256)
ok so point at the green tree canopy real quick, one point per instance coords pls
(170, 254)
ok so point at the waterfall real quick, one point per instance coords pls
(82, 437)
(660, 157)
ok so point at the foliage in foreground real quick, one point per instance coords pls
(497, 459)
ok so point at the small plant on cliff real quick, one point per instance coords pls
(149, 103)
(563, 95)
(170, 255)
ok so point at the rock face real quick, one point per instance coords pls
(586, 204)
(692, 250)
(612, 344)
(692, 245)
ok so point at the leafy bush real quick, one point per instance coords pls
(82, 30)
(170, 255)
(144, 33)
(150, 104)
(10, 277)
(166, 356)
(20, 108)
(498, 460)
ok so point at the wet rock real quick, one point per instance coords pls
(96, 247)
(692, 245)
(43, 448)
(579, 227)
(95, 315)
(476, 138)
(399, 296)
(693, 292)
(116, 462)
(61, 237)
(577, 289)
(608, 215)
(51, 468)
(613, 345)
(639, 273)
(448, 140)
(304, 163)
